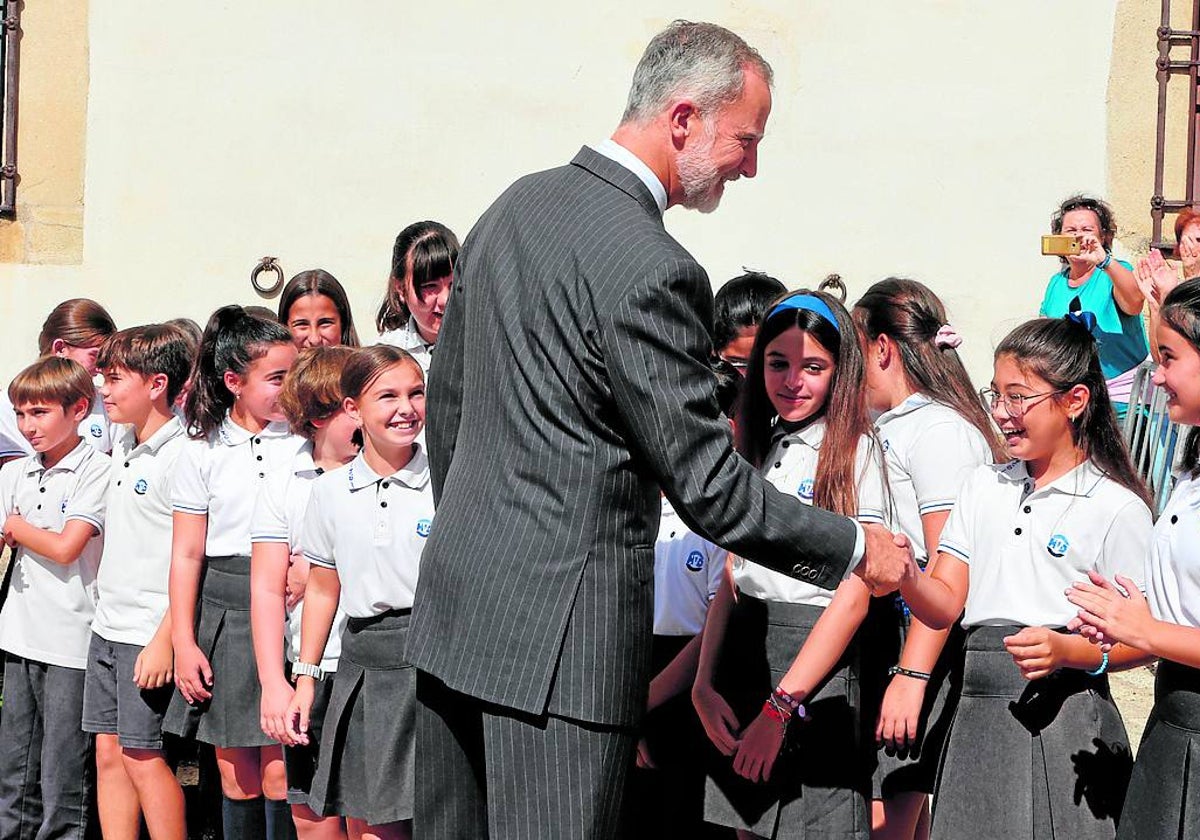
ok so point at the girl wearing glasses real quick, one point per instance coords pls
(1037, 749)
(1162, 799)
(935, 433)
(783, 644)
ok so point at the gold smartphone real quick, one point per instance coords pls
(1060, 245)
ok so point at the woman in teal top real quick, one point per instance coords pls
(1094, 281)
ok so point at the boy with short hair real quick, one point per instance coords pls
(52, 504)
(130, 660)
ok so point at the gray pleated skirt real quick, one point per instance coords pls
(1041, 760)
(231, 717)
(1164, 792)
(820, 785)
(365, 769)
(882, 639)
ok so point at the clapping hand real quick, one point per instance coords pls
(1108, 614)
(1155, 278)
(1189, 252)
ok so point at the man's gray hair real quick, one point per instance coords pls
(703, 61)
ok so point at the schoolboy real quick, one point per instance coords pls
(128, 683)
(52, 503)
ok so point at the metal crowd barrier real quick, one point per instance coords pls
(1152, 438)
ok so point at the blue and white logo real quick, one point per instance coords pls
(805, 490)
(1058, 545)
(887, 444)
(64, 506)
(694, 562)
(141, 487)
(96, 430)
(423, 527)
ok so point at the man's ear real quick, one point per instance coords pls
(684, 120)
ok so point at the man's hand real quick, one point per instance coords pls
(887, 562)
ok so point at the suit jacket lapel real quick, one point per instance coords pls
(617, 175)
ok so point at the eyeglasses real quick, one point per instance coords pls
(1014, 404)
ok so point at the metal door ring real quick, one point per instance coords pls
(267, 264)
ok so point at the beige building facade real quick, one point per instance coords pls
(166, 146)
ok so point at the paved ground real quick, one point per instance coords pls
(1134, 693)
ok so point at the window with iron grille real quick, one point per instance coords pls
(1172, 64)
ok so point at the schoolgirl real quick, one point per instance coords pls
(312, 400)
(74, 329)
(1164, 792)
(363, 533)
(418, 289)
(240, 437)
(766, 658)
(934, 432)
(315, 309)
(1037, 749)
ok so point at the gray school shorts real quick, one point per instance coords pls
(112, 702)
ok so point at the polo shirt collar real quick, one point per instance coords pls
(1081, 481)
(168, 431)
(302, 462)
(811, 435)
(231, 434)
(414, 474)
(69, 463)
(911, 403)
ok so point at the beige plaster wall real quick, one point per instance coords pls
(919, 138)
(48, 228)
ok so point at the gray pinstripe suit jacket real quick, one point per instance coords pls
(570, 382)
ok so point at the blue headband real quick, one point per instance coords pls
(809, 303)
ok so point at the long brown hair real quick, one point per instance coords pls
(1181, 312)
(910, 315)
(424, 251)
(80, 322)
(317, 281)
(1063, 352)
(836, 481)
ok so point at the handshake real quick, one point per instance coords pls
(887, 561)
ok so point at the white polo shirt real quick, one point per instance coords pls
(930, 449)
(1025, 546)
(1173, 566)
(132, 582)
(279, 518)
(791, 466)
(48, 614)
(12, 443)
(409, 338)
(219, 477)
(100, 432)
(687, 572)
(372, 530)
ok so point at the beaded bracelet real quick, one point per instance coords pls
(908, 672)
(791, 702)
(1103, 666)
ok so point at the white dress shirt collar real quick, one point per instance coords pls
(617, 153)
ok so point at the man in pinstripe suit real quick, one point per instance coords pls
(570, 383)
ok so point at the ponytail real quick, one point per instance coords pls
(914, 318)
(232, 340)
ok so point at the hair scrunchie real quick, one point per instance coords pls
(1085, 319)
(947, 338)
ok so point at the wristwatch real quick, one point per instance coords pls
(303, 669)
(1103, 264)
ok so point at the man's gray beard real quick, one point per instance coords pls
(700, 178)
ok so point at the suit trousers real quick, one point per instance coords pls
(486, 771)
